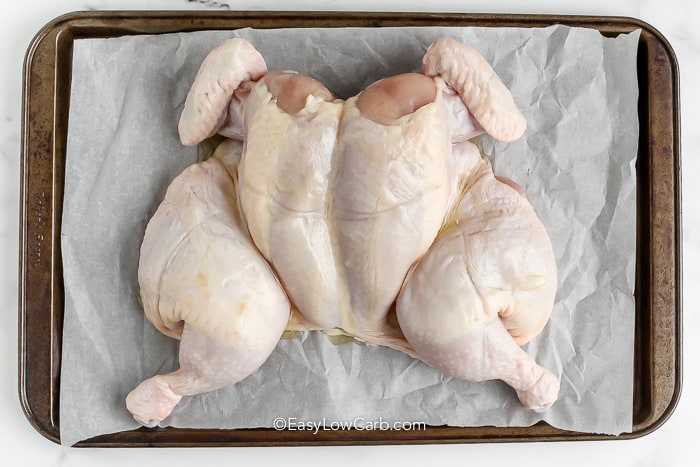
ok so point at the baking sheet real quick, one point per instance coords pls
(578, 91)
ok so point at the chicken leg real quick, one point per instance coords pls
(203, 281)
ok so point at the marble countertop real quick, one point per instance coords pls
(670, 445)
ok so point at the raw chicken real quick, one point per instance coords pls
(343, 198)
(396, 176)
(318, 192)
(485, 287)
(202, 281)
(291, 124)
(488, 283)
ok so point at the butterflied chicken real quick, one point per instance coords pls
(353, 204)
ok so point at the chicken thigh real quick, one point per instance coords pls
(202, 281)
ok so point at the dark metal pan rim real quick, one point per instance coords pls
(658, 364)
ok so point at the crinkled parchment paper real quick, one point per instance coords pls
(578, 91)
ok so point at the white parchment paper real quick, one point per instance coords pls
(578, 91)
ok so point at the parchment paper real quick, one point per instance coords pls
(578, 91)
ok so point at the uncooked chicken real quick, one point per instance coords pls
(203, 281)
(362, 207)
(488, 283)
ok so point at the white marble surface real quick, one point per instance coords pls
(670, 445)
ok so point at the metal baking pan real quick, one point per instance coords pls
(46, 99)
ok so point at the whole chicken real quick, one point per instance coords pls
(344, 198)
